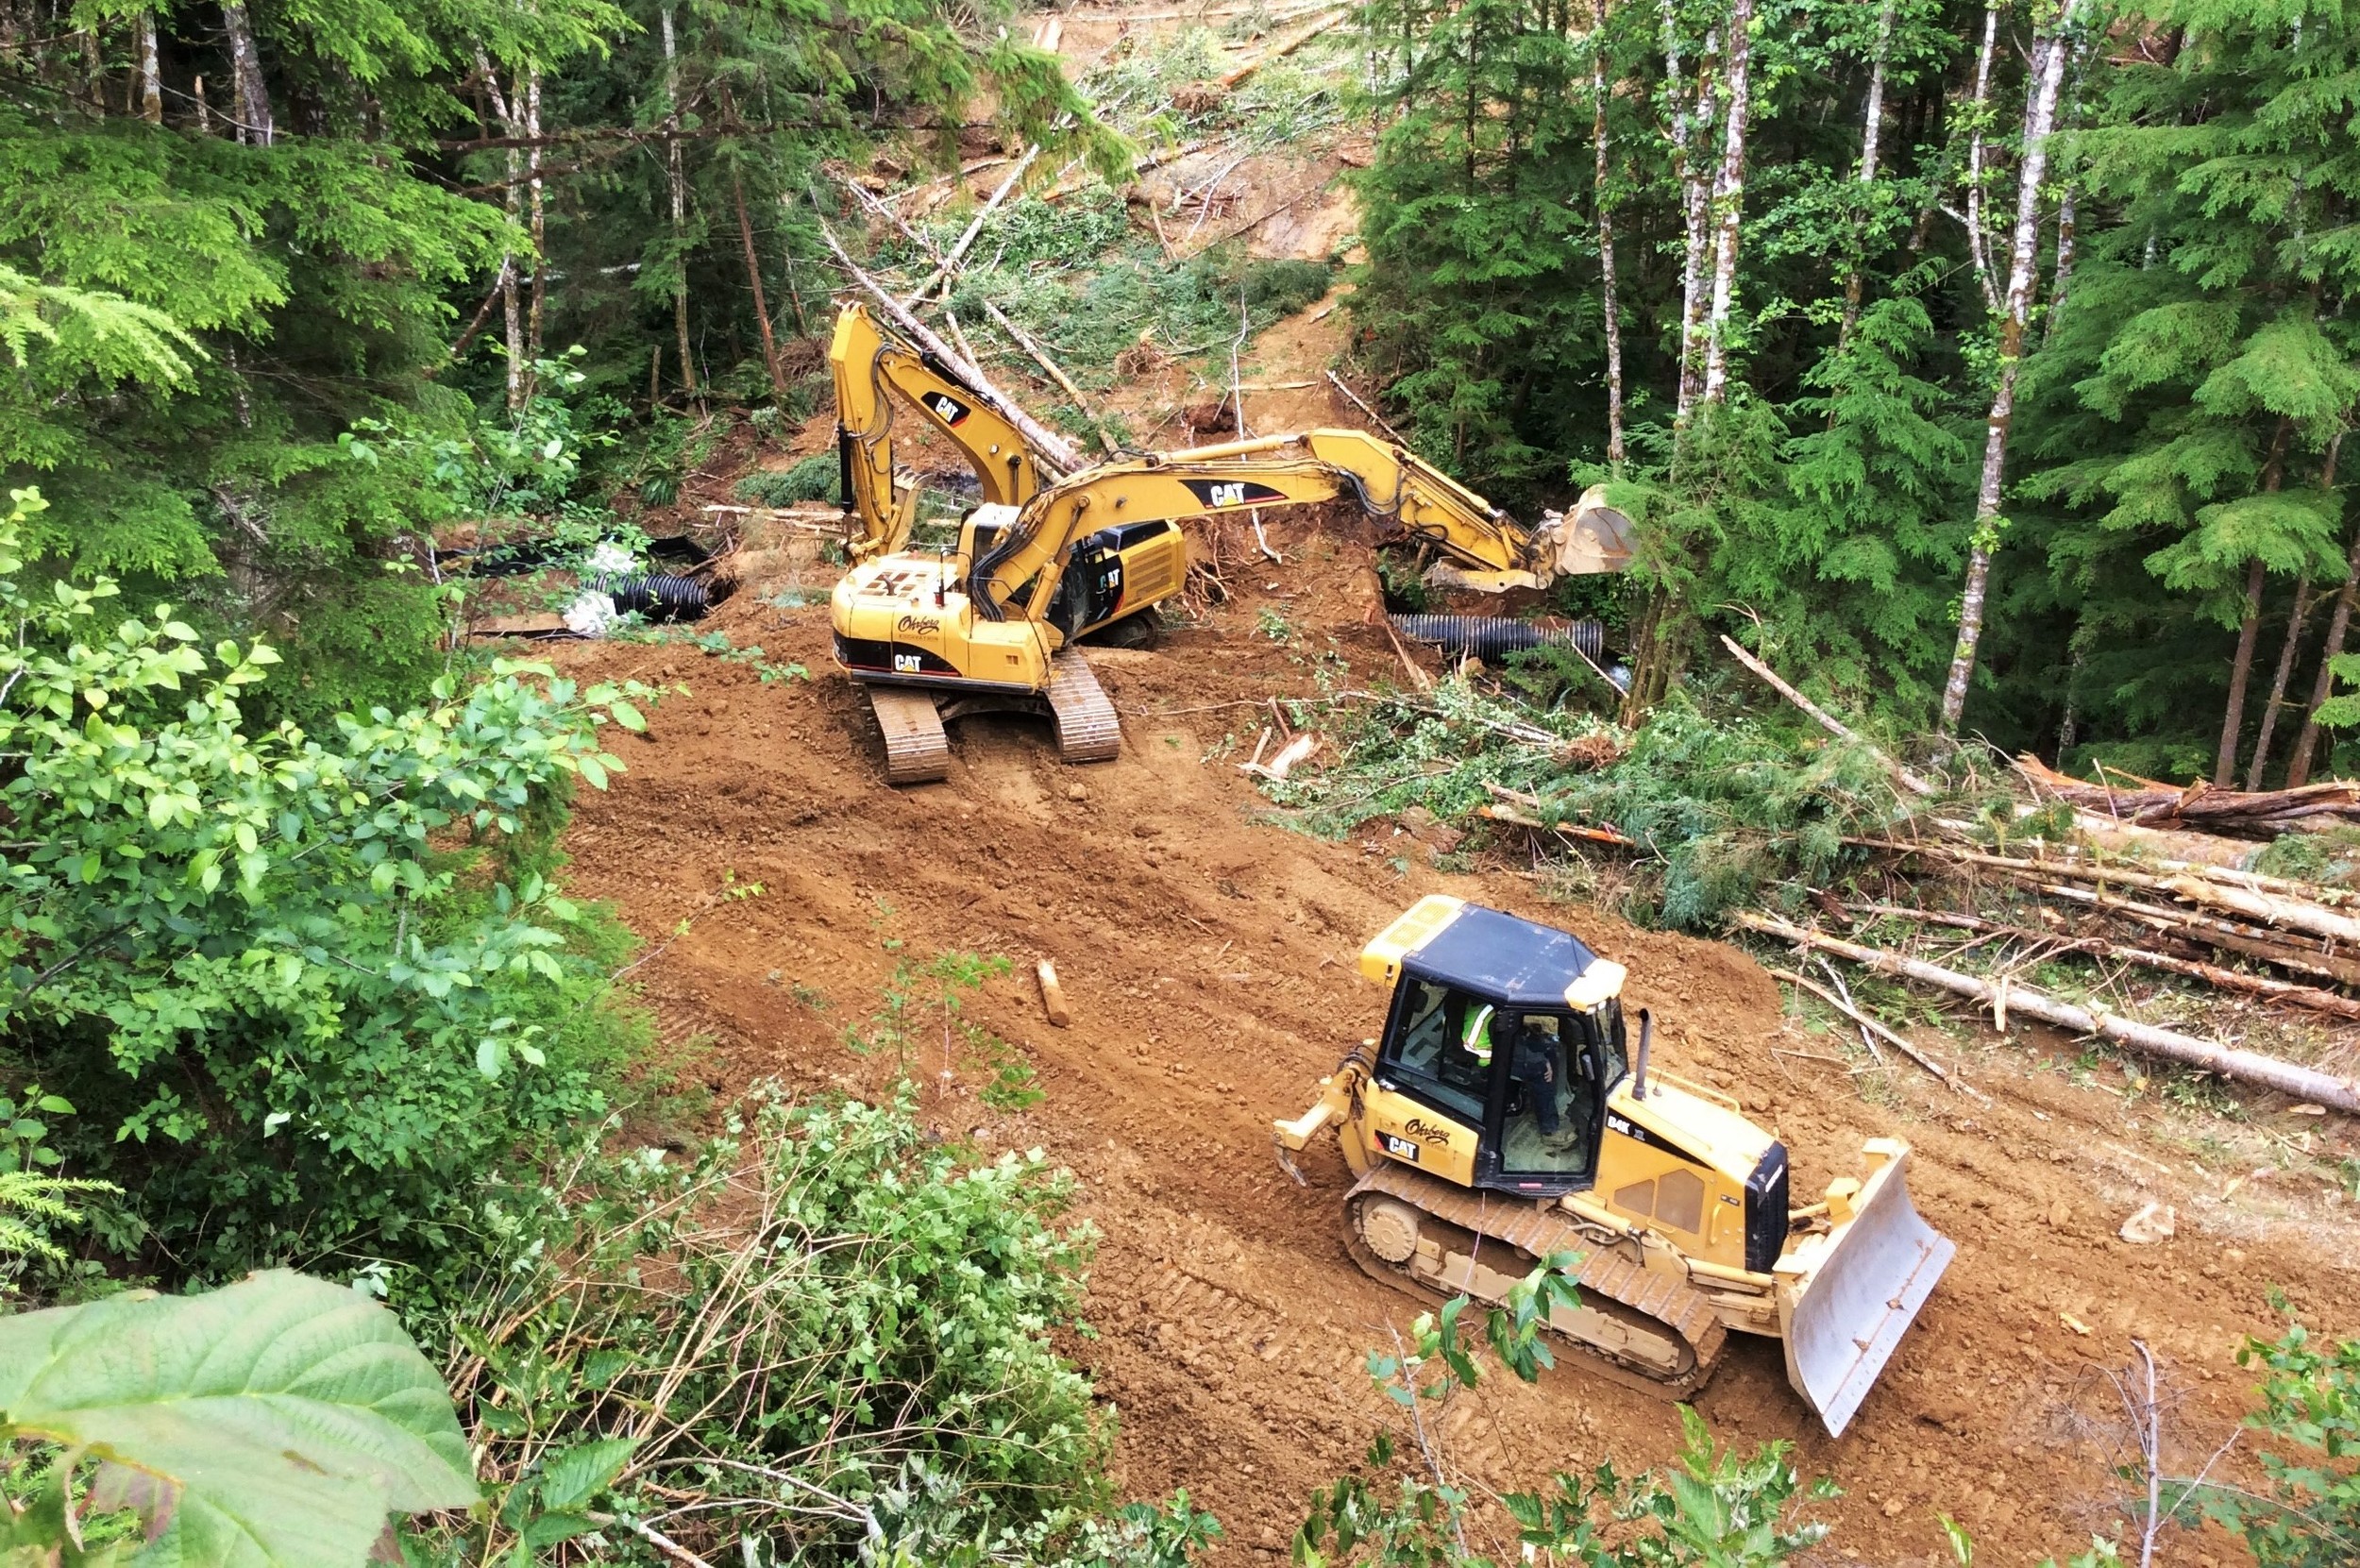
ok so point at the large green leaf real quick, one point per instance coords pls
(287, 1417)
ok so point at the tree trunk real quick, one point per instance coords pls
(2307, 739)
(2040, 113)
(1978, 249)
(539, 229)
(252, 98)
(2248, 632)
(676, 179)
(1728, 199)
(2287, 654)
(2063, 275)
(151, 79)
(1872, 130)
(762, 307)
(1606, 239)
(1692, 205)
(511, 304)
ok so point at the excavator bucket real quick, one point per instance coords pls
(1593, 538)
(1846, 1295)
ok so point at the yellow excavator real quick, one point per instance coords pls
(1504, 1118)
(990, 622)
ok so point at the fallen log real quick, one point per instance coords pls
(1901, 775)
(2072, 862)
(946, 266)
(1237, 77)
(2292, 914)
(2211, 974)
(2229, 1062)
(2150, 803)
(1049, 443)
(2227, 936)
(1041, 357)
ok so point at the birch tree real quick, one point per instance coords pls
(2040, 112)
(251, 103)
(676, 180)
(1729, 198)
(1610, 305)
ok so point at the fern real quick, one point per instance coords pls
(31, 1203)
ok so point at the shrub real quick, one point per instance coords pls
(304, 991)
(2310, 1399)
(832, 1309)
(811, 479)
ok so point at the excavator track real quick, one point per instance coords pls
(1088, 730)
(917, 750)
(1618, 1288)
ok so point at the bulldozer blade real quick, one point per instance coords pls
(1846, 1297)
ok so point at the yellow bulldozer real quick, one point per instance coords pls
(1503, 1117)
(990, 622)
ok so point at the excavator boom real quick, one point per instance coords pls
(873, 370)
(1387, 480)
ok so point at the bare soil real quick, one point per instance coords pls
(1208, 955)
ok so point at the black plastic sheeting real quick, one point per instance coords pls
(1496, 636)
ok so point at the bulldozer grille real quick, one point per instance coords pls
(1765, 1211)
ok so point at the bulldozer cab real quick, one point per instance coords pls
(1483, 1036)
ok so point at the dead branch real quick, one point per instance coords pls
(1870, 1024)
(2205, 1055)
(2211, 974)
(1049, 443)
(1901, 775)
(948, 266)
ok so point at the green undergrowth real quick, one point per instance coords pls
(1723, 809)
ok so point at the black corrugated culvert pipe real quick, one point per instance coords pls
(1491, 637)
(659, 597)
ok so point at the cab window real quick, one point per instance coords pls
(1427, 1057)
(1550, 1125)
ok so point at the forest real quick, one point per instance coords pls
(1980, 369)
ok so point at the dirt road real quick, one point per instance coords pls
(1208, 959)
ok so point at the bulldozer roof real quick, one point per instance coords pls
(1510, 960)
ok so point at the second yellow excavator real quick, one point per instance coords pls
(990, 622)
(1503, 1117)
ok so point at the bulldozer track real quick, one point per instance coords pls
(1087, 727)
(1611, 1281)
(917, 750)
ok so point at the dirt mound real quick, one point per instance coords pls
(1209, 961)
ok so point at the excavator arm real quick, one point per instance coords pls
(1387, 480)
(871, 367)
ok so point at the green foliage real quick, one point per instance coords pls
(1724, 808)
(1712, 1508)
(30, 1203)
(1087, 317)
(277, 1421)
(811, 479)
(854, 1320)
(2311, 1403)
(302, 989)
